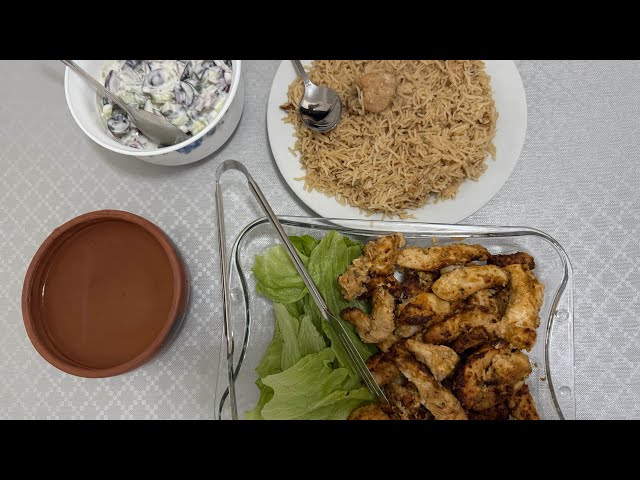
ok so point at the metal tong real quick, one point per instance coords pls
(356, 360)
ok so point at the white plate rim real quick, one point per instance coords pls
(511, 130)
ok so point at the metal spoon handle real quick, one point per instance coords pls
(303, 74)
(97, 85)
(226, 299)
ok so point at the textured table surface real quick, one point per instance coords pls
(577, 179)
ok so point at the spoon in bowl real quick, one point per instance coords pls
(320, 107)
(155, 127)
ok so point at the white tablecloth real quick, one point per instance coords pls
(577, 179)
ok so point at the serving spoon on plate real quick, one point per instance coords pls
(320, 107)
(155, 127)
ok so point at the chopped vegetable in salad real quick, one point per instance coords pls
(188, 93)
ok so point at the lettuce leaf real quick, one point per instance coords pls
(296, 309)
(312, 390)
(271, 361)
(310, 340)
(266, 394)
(299, 336)
(288, 327)
(277, 278)
(328, 261)
(304, 372)
(304, 244)
(270, 364)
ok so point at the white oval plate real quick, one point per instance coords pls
(511, 128)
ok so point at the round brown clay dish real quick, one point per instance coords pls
(103, 294)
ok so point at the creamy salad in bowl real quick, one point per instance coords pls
(188, 93)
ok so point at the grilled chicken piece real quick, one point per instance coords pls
(522, 406)
(353, 282)
(368, 412)
(386, 344)
(502, 300)
(378, 260)
(464, 282)
(383, 253)
(416, 282)
(488, 299)
(489, 376)
(497, 412)
(520, 320)
(451, 328)
(422, 309)
(441, 360)
(437, 399)
(383, 369)
(378, 90)
(473, 338)
(406, 331)
(401, 331)
(521, 258)
(451, 268)
(379, 325)
(404, 401)
(432, 259)
(485, 298)
(509, 367)
(389, 282)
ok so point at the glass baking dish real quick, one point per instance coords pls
(552, 379)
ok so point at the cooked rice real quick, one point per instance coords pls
(437, 133)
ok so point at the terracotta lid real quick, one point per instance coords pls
(103, 294)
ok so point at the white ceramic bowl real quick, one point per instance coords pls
(82, 102)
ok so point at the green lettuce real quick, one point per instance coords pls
(342, 251)
(276, 275)
(272, 360)
(277, 278)
(312, 389)
(299, 336)
(304, 244)
(309, 339)
(304, 373)
(270, 364)
(266, 394)
(327, 262)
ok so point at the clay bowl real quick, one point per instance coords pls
(103, 294)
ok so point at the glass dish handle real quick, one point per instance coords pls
(559, 355)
